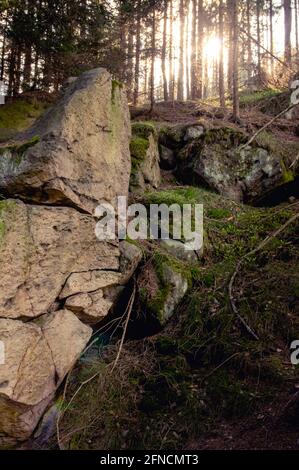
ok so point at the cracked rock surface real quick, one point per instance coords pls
(56, 276)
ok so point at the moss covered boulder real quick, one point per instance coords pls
(162, 284)
(145, 157)
(221, 160)
(82, 155)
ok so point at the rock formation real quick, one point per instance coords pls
(56, 276)
(145, 158)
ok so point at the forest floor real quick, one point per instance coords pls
(257, 110)
(202, 382)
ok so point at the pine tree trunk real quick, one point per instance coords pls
(235, 16)
(27, 67)
(171, 65)
(180, 92)
(3, 50)
(187, 64)
(230, 6)
(130, 63)
(200, 25)
(153, 56)
(193, 51)
(12, 65)
(163, 58)
(288, 31)
(271, 14)
(17, 82)
(249, 44)
(297, 29)
(258, 34)
(137, 57)
(221, 65)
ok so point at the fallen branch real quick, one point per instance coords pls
(239, 265)
(267, 125)
(294, 164)
(129, 310)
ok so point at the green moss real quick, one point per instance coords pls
(116, 85)
(139, 147)
(17, 150)
(218, 213)
(287, 174)
(256, 97)
(228, 137)
(143, 129)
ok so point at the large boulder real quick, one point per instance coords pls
(162, 285)
(77, 154)
(36, 360)
(221, 160)
(42, 249)
(56, 276)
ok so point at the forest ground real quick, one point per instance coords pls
(200, 383)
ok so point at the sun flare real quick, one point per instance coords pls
(212, 48)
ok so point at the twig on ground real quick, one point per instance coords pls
(294, 163)
(267, 125)
(129, 310)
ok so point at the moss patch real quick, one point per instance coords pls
(18, 115)
(143, 129)
(17, 150)
(254, 98)
(116, 85)
(138, 147)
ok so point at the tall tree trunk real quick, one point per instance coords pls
(230, 7)
(297, 29)
(288, 31)
(221, 54)
(137, 56)
(164, 48)
(236, 103)
(153, 56)
(17, 82)
(130, 62)
(200, 26)
(194, 89)
(12, 66)
(187, 64)
(249, 43)
(258, 34)
(3, 49)
(271, 15)
(171, 63)
(27, 67)
(180, 92)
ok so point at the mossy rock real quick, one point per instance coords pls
(144, 156)
(17, 150)
(139, 147)
(143, 129)
(221, 160)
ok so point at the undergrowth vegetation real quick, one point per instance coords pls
(167, 390)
